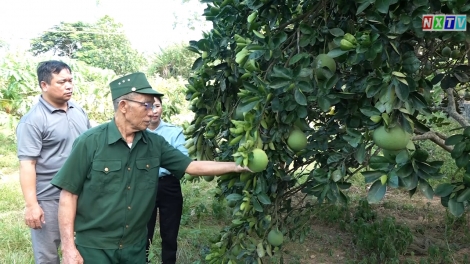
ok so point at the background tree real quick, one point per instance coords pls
(173, 61)
(353, 77)
(64, 39)
(102, 44)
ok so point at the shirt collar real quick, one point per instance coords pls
(114, 134)
(52, 108)
(162, 124)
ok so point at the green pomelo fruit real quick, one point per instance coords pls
(297, 140)
(259, 161)
(231, 203)
(394, 139)
(446, 52)
(228, 176)
(188, 177)
(275, 237)
(208, 178)
(321, 61)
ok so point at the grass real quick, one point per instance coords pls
(357, 233)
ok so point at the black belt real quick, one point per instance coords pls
(165, 176)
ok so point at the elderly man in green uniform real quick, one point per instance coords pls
(109, 182)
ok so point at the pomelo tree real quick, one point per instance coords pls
(337, 71)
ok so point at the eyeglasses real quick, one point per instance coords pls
(148, 106)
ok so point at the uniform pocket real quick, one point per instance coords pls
(148, 173)
(106, 175)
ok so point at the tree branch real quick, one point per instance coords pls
(452, 110)
(301, 17)
(437, 138)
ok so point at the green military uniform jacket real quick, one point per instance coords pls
(116, 185)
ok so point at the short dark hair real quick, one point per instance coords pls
(159, 99)
(47, 68)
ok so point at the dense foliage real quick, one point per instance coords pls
(173, 61)
(338, 71)
(102, 44)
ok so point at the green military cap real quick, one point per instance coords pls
(134, 82)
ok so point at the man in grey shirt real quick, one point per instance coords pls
(45, 136)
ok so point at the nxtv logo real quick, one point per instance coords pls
(444, 23)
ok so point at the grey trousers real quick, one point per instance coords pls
(46, 240)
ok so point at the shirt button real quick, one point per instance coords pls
(120, 246)
(127, 226)
(129, 207)
(148, 166)
(106, 169)
(128, 187)
(129, 169)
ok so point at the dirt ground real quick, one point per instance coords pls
(427, 220)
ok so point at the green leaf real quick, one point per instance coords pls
(203, 45)
(369, 111)
(383, 164)
(449, 82)
(336, 53)
(300, 97)
(463, 160)
(377, 160)
(370, 54)
(437, 79)
(248, 106)
(298, 57)
(376, 192)
(302, 112)
(402, 91)
(455, 207)
(197, 64)
(394, 48)
(444, 189)
(405, 170)
(362, 7)
(393, 179)
(360, 154)
(426, 189)
(410, 182)
(336, 175)
(331, 81)
(324, 103)
(281, 72)
(464, 196)
(337, 32)
(453, 140)
(458, 150)
(371, 176)
(234, 197)
(279, 39)
(306, 29)
(382, 6)
(419, 3)
(258, 34)
(402, 157)
(411, 64)
(256, 204)
(264, 199)
(305, 86)
(305, 40)
(279, 83)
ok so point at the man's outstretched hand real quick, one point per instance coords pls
(240, 169)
